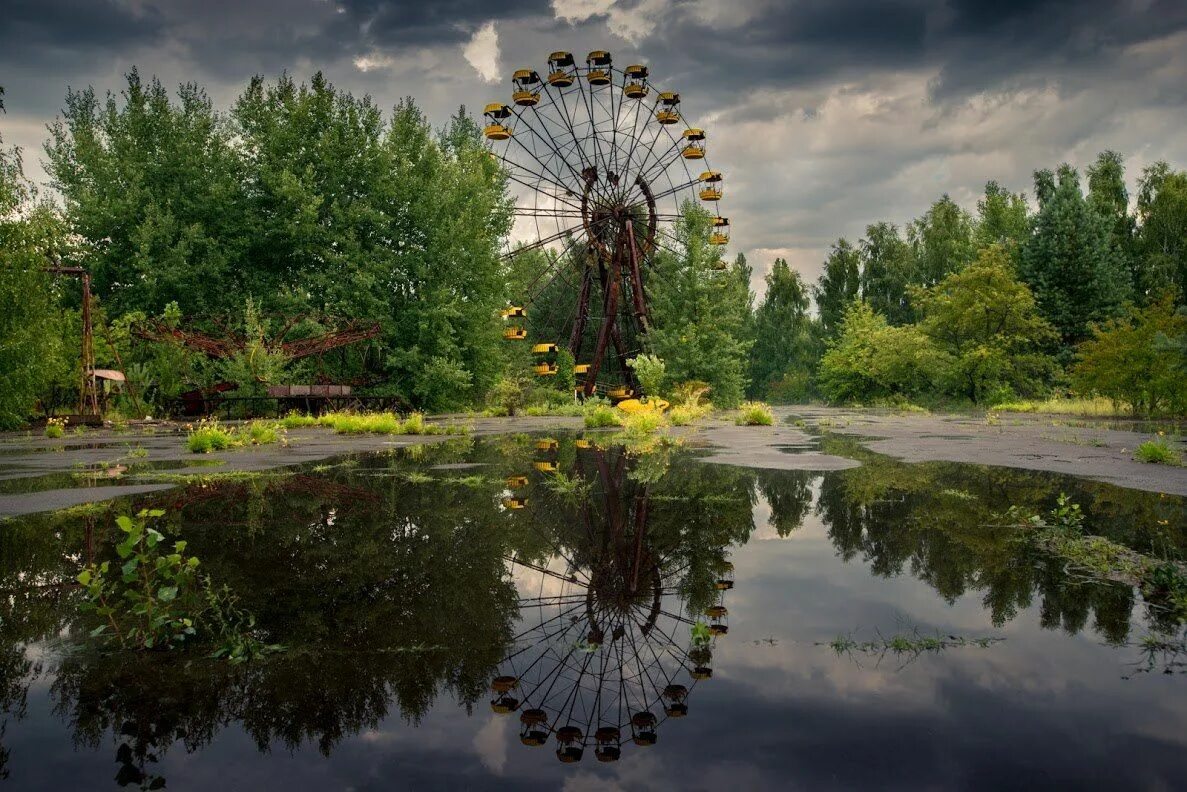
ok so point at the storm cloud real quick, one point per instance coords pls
(826, 115)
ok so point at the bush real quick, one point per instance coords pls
(600, 414)
(295, 420)
(209, 436)
(55, 428)
(754, 414)
(261, 432)
(1123, 362)
(685, 414)
(650, 371)
(1158, 452)
(414, 424)
(872, 360)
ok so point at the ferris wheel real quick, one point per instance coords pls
(609, 647)
(602, 165)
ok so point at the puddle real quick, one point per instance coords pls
(461, 616)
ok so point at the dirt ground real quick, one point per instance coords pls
(38, 474)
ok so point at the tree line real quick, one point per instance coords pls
(1083, 292)
(302, 200)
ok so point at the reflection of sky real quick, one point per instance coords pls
(780, 712)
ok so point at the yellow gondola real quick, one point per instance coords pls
(514, 503)
(620, 393)
(721, 231)
(636, 81)
(547, 444)
(513, 312)
(516, 482)
(496, 116)
(515, 334)
(694, 144)
(598, 68)
(546, 467)
(712, 189)
(581, 368)
(543, 349)
(544, 369)
(560, 69)
(527, 88)
(667, 113)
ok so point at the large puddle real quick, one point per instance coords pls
(459, 616)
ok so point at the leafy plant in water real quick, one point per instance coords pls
(1157, 452)
(699, 633)
(144, 604)
(55, 428)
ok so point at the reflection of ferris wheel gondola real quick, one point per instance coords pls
(610, 646)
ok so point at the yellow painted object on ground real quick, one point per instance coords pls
(631, 406)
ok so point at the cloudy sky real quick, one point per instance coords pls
(826, 115)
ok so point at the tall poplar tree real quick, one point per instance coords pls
(786, 348)
(838, 286)
(886, 272)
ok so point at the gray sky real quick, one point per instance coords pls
(826, 115)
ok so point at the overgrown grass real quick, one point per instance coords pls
(55, 428)
(563, 410)
(383, 423)
(1100, 407)
(643, 423)
(601, 414)
(754, 414)
(686, 414)
(208, 436)
(295, 420)
(1157, 452)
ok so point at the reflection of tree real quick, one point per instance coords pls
(789, 494)
(937, 521)
(621, 598)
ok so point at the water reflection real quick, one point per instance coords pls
(580, 593)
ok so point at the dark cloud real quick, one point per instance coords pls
(417, 22)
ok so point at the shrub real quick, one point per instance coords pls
(650, 371)
(209, 436)
(690, 393)
(870, 359)
(1157, 451)
(686, 414)
(55, 428)
(599, 414)
(414, 424)
(507, 395)
(754, 414)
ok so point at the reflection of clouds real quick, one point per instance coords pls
(491, 743)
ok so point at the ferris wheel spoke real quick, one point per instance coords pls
(546, 140)
(563, 103)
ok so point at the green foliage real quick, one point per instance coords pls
(295, 420)
(754, 414)
(55, 428)
(1001, 220)
(1160, 260)
(887, 269)
(642, 423)
(786, 349)
(650, 372)
(599, 414)
(1070, 263)
(942, 242)
(871, 360)
(382, 423)
(699, 314)
(156, 599)
(838, 286)
(1157, 451)
(146, 605)
(208, 436)
(1123, 360)
(985, 324)
(508, 394)
(32, 348)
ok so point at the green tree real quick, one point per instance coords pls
(1161, 255)
(886, 272)
(31, 330)
(942, 241)
(872, 360)
(786, 348)
(1126, 360)
(1108, 196)
(838, 285)
(1001, 219)
(155, 189)
(1070, 263)
(985, 323)
(698, 312)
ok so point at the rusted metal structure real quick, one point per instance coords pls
(88, 391)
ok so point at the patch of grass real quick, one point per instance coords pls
(1157, 452)
(261, 432)
(296, 420)
(55, 428)
(643, 423)
(754, 414)
(601, 414)
(417, 477)
(383, 423)
(1064, 406)
(686, 414)
(208, 436)
(557, 410)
